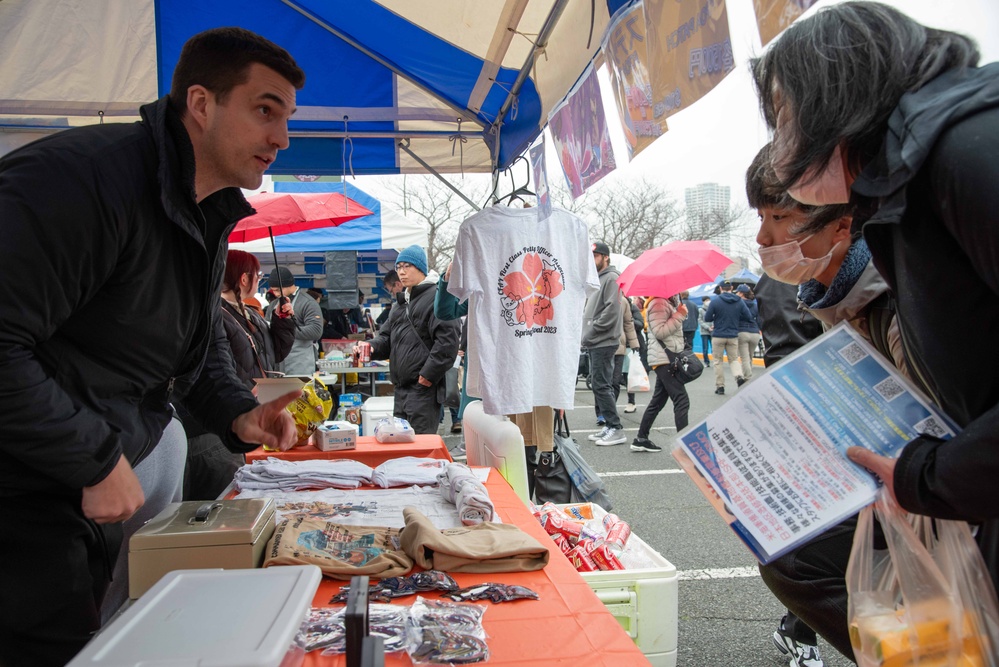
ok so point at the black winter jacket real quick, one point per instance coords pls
(271, 341)
(934, 236)
(416, 341)
(115, 312)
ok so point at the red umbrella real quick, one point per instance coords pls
(287, 212)
(672, 268)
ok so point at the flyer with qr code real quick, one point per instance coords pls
(772, 460)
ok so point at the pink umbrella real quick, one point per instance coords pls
(286, 212)
(672, 268)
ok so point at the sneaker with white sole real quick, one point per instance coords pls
(599, 434)
(631, 407)
(801, 654)
(613, 436)
(644, 445)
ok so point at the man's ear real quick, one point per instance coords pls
(199, 101)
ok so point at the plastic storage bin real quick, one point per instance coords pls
(496, 442)
(373, 409)
(644, 601)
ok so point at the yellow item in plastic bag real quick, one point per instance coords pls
(310, 409)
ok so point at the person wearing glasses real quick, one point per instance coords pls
(421, 347)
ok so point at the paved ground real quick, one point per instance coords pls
(726, 613)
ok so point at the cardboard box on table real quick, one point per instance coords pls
(644, 601)
(230, 534)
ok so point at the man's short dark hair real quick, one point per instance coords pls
(843, 71)
(763, 190)
(391, 278)
(220, 59)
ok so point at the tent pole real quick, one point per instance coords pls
(546, 30)
(404, 145)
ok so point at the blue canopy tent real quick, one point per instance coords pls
(393, 86)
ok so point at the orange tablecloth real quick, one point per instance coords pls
(567, 626)
(369, 452)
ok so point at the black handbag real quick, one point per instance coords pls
(551, 479)
(684, 365)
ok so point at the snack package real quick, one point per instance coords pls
(350, 405)
(310, 409)
(394, 429)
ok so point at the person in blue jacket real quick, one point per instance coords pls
(728, 313)
(749, 333)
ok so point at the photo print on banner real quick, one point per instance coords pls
(579, 130)
(689, 50)
(642, 121)
(773, 16)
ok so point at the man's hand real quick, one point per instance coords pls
(881, 466)
(116, 497)
(447, 273)
(424, 381)
(269, 424)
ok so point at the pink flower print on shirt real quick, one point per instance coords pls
(531, 290)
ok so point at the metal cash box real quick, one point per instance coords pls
(229, 534)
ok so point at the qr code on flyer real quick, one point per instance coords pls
(889, 388)
(853, 353)
(930, 426)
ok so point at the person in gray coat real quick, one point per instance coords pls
(603, 323)
(308, 319)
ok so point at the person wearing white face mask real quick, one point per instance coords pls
(899, 116)
(813, 248)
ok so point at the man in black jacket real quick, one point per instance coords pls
(123, 317)
(421, 347)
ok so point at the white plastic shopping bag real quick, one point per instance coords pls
(638, 379)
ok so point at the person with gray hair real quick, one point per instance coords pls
(871, 108)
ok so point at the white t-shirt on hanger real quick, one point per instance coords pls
(526, 283)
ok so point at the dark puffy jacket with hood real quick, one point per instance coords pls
(122, 315)
(933, 229)
(418, 342)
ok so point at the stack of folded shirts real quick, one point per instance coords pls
(460, 486)
(298, 475)
(407, 471)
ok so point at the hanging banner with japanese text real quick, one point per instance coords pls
(773, 16)
(579, 130)
(689, 50)
(629, 74)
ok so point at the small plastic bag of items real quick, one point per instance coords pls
(446, 633)
(394, 429)
(324, 629)
(397, 587)
(494, 592)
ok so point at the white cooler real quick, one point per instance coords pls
(644, 601)
(373, 409)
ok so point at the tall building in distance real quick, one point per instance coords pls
(704, 201)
